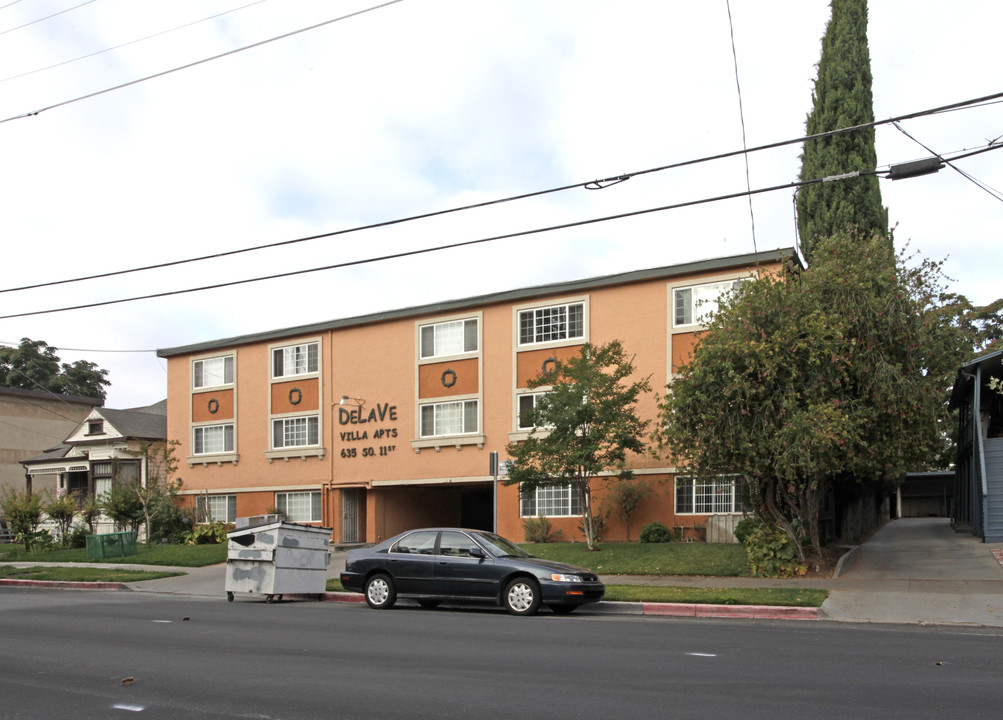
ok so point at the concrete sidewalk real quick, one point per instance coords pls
(911, 571)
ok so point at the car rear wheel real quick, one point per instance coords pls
(380, 592)
(522, 597)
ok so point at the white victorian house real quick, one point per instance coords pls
(101, 450)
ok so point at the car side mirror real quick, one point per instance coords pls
(477, 553)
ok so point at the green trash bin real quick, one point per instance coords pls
(111, 545)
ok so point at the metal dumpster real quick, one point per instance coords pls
(276, 558)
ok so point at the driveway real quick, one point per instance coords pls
(920, 570)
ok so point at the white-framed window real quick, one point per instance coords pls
(102, 473)
(295, 360)
(299, 506)
(295, 432)
(552, 501)
(552, 323)
(212, 372)
(212, 439)
(449, 418)
(708, 496)
(693, 304)
(216, 508)
(454, 337)
(527, 403)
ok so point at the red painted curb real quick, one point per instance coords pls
(343, 597)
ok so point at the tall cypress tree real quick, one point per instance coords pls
(841, 98)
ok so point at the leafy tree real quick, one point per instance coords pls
(840, 372)
(34, 365)
(156, 495)
(62, 510)
(583, 426)
(626, 496)
(90, 512)
(22, 511)
(841, 98)
(122, 505)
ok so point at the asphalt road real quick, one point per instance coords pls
(84, 655)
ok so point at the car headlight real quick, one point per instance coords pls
(562, 577)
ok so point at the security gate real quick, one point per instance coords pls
(349, 516)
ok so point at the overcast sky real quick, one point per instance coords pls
(426, 105)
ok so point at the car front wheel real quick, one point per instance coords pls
(380, 593)
(522, 597)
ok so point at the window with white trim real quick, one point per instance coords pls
(552, 501)
(708, 496)
(102, 473)
(551, 324)
(527, 403)
(295, 432)
(299, 506)
(295, 360)
(212, 372)
(455, 337)
(212, 439)
(449, 418)
(216, 508)
(692, 305)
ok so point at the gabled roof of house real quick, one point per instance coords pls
(136, 423)
(691, 268)
(54, 453)
(149, 423)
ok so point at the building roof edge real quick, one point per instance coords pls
(526, 293)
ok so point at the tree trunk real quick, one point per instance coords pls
(587, 521)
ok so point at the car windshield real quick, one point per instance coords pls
(499, 546)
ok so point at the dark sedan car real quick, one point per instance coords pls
(435, 564)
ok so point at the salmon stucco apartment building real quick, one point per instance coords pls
(376, 424)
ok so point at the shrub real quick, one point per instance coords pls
(772, 553)
(39, 541)
(537, 530)
(746, 527)
(598, 525)
(62, 510)
(78, 535)
(209, 534)
(655, 532)
(23, 512)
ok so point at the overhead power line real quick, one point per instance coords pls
(590, 184)
(47, 17)
(131, 42)
(200, 62)
(480, 241)
(437, 248)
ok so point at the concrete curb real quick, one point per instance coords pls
(756, 612)
(845, 560)
(64, 584)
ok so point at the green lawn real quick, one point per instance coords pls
(672, 558)
(80, 574)
(180, 555)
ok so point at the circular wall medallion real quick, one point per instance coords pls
(213, 406)
(295, 396)
(449, 378)
(549, 365)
